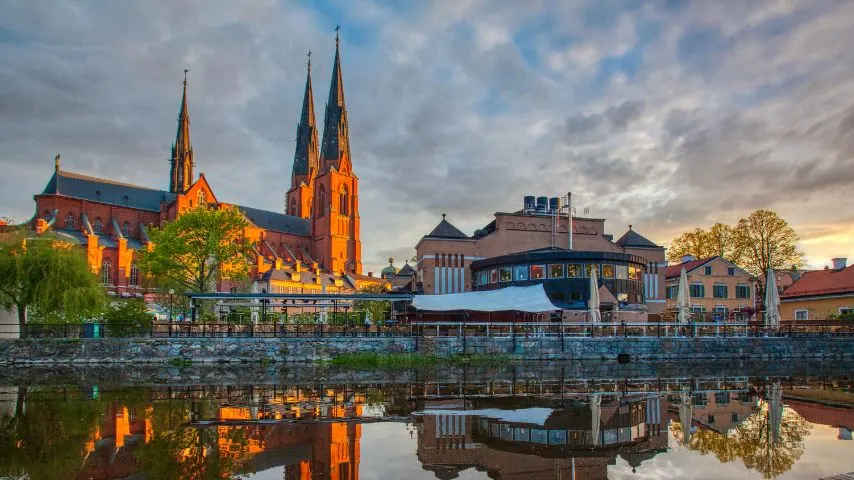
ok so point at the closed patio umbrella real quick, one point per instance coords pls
(774, 397)
(682, 297)
(772, 301)
(686, 414)
(595, 418)
(593, 302)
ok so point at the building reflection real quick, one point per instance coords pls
(570, 438)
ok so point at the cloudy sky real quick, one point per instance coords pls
(667, 115)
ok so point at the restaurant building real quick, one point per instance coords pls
(533, 245)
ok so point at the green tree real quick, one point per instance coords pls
(50, 276)
(200, 245)
(127, 317)
(767, 242)
(378, 309)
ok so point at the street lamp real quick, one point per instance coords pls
(171, 293)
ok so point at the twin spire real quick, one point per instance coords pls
(310, 160)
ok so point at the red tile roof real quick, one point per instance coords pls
(822, 282)
(675, 270)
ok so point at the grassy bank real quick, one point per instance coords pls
(404, 360)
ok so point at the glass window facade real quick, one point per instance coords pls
(520, 273)
(556, 270)
(538, 272)
(573, 270)
(608, 271)
(505, 274)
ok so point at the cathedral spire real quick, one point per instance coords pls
(336, 136)
(182, 151)
(305, 156)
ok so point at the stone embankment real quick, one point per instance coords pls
(216, 350)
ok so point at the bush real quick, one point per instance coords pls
(127, 317)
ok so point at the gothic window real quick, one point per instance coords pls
(344, 207)
(126, 229)
(107, 271)
(202, 197)
(69, 222)
(321, 210)
(98, 225)
(134, 275)
(46, 215)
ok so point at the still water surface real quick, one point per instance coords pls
(411, 425)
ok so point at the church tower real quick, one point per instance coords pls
(299, 197)
(335, 216)
(181, 175)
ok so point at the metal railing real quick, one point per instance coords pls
(811, 328)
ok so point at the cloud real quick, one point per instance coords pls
(664, 116)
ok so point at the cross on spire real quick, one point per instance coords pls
(186, 71)
(337, 28)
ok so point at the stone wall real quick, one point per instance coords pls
(213, 350)
(646, 349)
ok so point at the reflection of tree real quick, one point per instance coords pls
(187, 453)
(46, 438)
(753, 441)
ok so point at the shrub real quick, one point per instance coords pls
(127, 317)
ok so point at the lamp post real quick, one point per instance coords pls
(171, 293)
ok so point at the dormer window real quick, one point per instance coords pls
(97, 195)
(126, 200)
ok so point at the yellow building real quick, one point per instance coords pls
(716, 286)
(820, 294)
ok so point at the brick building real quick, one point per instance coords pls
(313, 245)
(450, 261)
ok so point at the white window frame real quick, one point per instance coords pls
(849, 309)
(805, 311)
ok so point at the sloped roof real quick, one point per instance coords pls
(675, 270)
(822, 282)
(278, 222)
(445, 230)
(406, 270)
(106, 191)
(634, 239)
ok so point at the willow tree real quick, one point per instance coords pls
(201, 245)
(48, 275)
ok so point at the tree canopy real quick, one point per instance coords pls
(201, 245)
(50, 276)
(755, 243)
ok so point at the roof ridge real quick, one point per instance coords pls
(81, 176)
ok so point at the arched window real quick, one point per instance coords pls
(107, 271)
(126, 230)
(202, 197)
(344, 202)
(69, 222)
(134, 275)
(321, 198)
(46, 215)
(98, 225)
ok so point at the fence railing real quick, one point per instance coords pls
(442, 329)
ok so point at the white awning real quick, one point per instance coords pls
(531, 299)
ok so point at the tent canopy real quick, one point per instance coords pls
(531, 299)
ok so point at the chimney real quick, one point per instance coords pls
(839, 263)
(370, 274)
(688, 258)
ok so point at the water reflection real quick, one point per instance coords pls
(497, 428)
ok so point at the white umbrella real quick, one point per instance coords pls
(595, 416)
(686, 414)
(593, 302)
(324, 311)
(772, 301)
(775, 411)
(682, 297)
(254, 314)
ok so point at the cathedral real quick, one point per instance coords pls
(312, 246)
